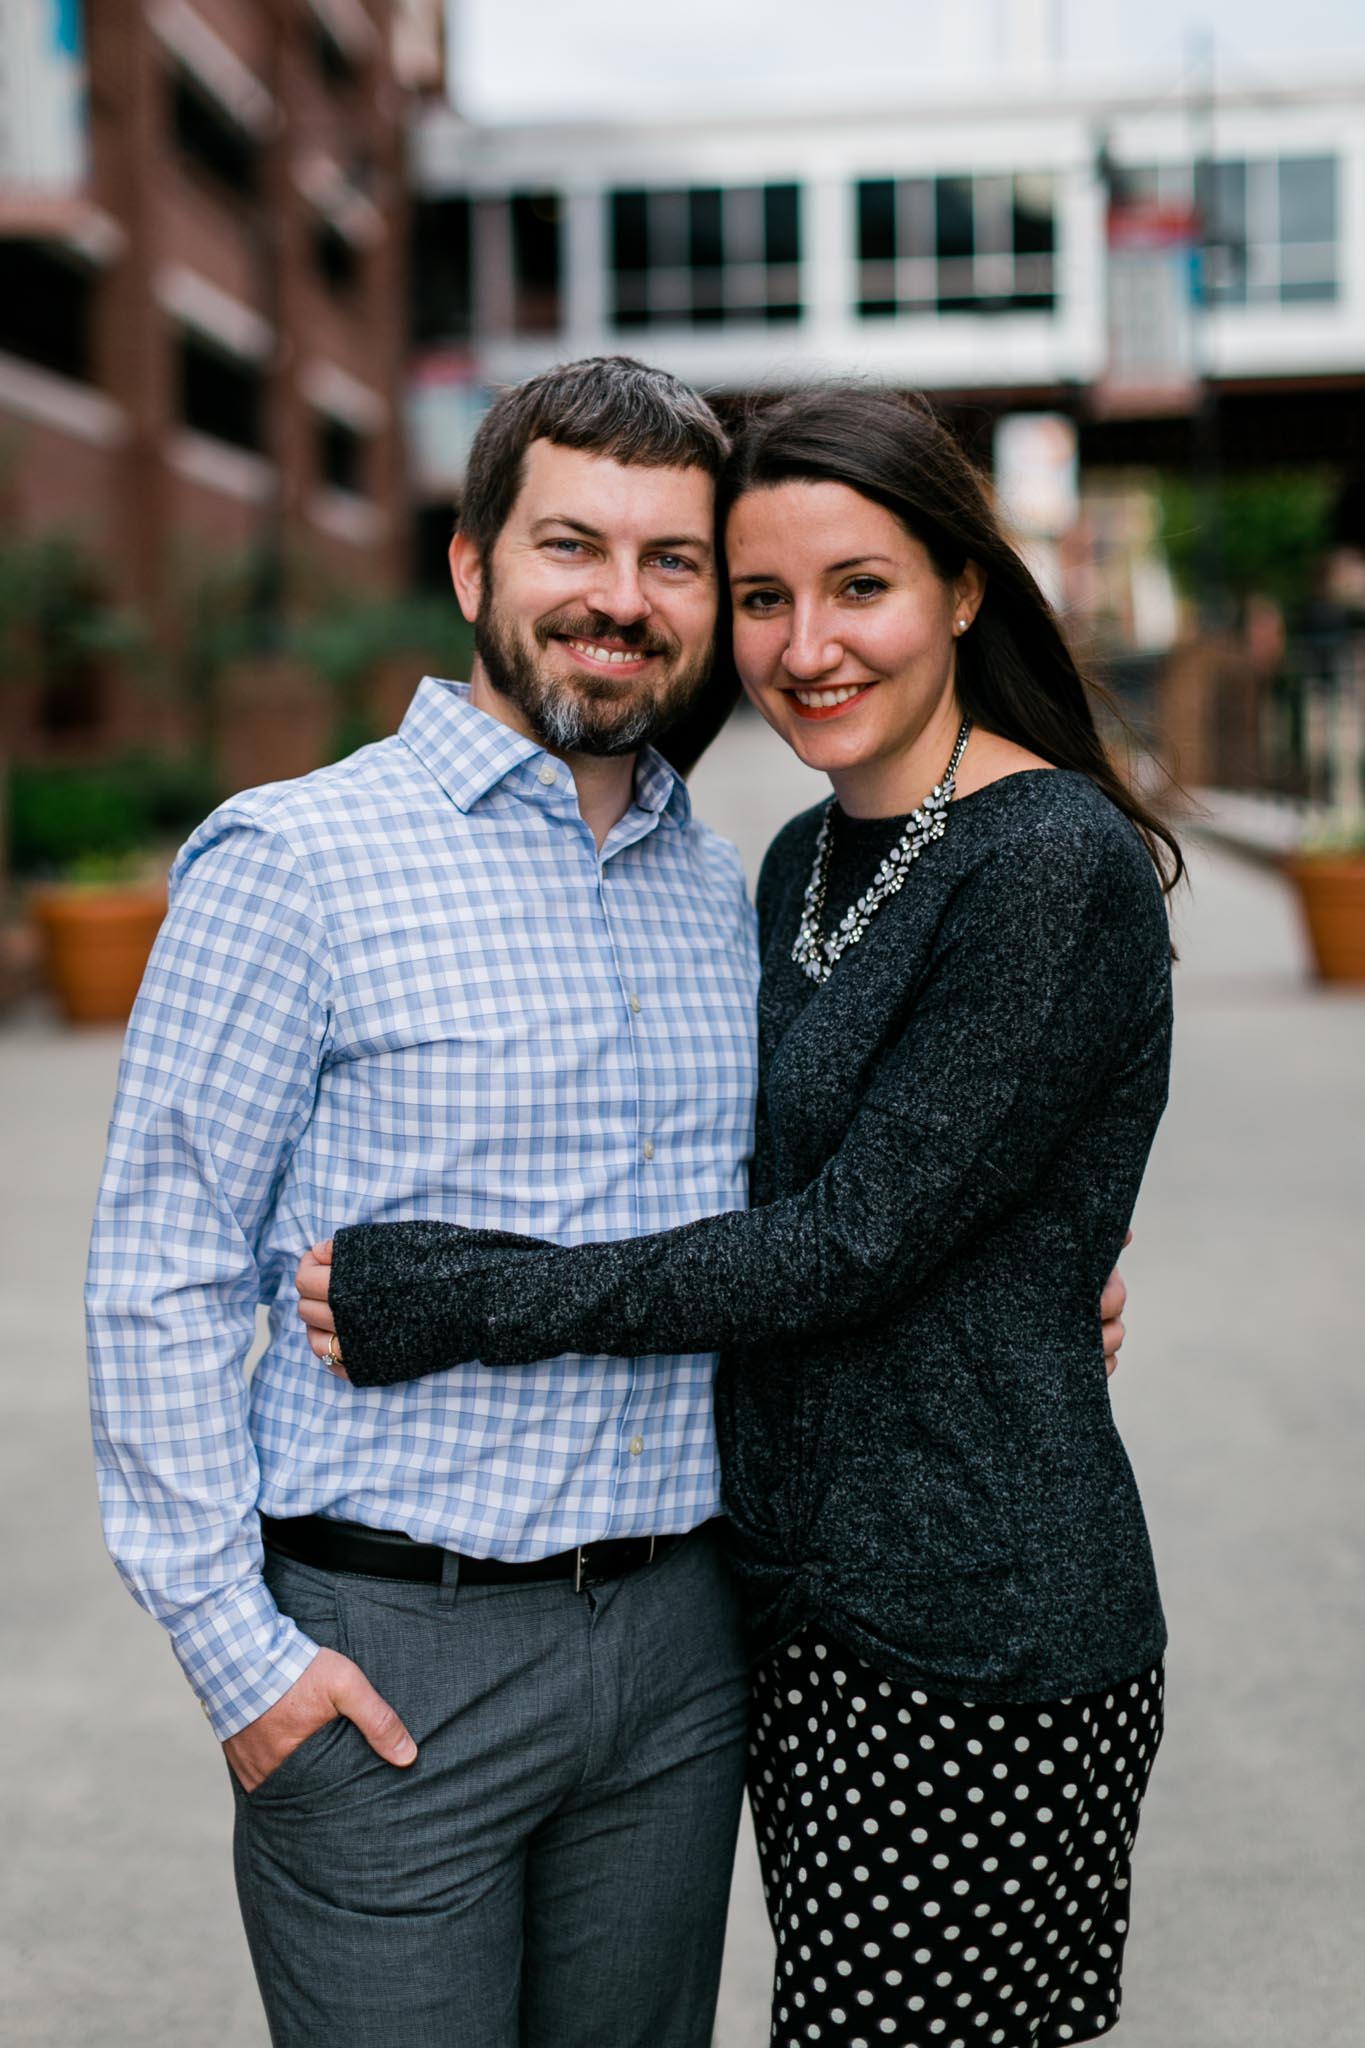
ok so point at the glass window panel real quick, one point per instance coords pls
(1309, 263)
(1033, 222)
(876, 286)
(706, 243)
(669, 228)
(782, 212)
(954, 233)
(1033, 276)
(745, 232)
(1308, 293)
(1224, 276)
(1221, 196)
(783, 310)
(220, 395)
(993, 215)
(746, 285)
(1136, 184)
(47, 307)
(630, 230)
(341, 456)
(993, 276)
(916, 233)
(670, 293)
(917, 281)
(708, 291)
(536, 261)
(1308, 199)
(784, 284)
(632, 292)
(957, 285)
(876, 220)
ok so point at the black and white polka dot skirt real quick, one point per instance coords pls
(940, 1874)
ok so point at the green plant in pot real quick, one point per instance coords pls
(97, 917)
(1328, 873)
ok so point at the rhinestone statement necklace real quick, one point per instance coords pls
(817, 956)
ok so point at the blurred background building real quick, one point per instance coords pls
(262, 263)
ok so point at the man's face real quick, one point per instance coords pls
(595, 616)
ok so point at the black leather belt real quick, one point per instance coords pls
(384, 1554)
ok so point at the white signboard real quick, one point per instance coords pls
(1151, 255)
(42, 96)
(1036, 474)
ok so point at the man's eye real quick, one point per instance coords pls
(672, 563)
(566, 547)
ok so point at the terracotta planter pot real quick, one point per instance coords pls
(96, 943)
(1332, 891)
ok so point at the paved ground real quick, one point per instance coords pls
(1242, 1400)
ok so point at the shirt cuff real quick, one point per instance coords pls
(241, 1654)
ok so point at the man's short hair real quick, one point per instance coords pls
(608, 405)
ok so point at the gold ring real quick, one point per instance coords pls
(333, 1355)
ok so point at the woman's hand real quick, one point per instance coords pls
(314, 1280)
(1112, 1304)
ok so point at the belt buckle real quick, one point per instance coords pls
(580, 1562)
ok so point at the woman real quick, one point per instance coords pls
(964, 1041)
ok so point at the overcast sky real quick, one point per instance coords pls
(624, 57)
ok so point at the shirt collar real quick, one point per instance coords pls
(470, 753)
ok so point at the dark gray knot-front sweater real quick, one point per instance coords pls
(918, 1448)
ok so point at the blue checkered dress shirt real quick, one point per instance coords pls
(407, 985)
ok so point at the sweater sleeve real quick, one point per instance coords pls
(1051, 965)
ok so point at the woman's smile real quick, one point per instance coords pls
(828, 702)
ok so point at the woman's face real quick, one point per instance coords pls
(844, 635)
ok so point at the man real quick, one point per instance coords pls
(483, 1690)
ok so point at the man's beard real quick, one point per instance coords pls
(585, 714)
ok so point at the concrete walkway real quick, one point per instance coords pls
(1242, 1399)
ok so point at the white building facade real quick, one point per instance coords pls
(962, 247)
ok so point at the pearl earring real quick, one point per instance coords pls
(962, 625)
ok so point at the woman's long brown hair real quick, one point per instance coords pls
(1016, 676)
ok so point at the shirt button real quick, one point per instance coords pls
(548, 775)
(649, 1148)
(637, 1444)
(635, 1005)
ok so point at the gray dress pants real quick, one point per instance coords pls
(553, 1871)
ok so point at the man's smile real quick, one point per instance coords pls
(602, 654)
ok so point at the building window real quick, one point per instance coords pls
(341, 456)
(46, 308)
(710, 256)
(335, 258)
(984, 244)
(442, 297)
(535, 262)
(221, 395)
(207, 137)
(1270, 224)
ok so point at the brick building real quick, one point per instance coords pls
(202, 299)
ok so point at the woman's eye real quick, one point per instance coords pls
(864, 586)
(762, 601)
